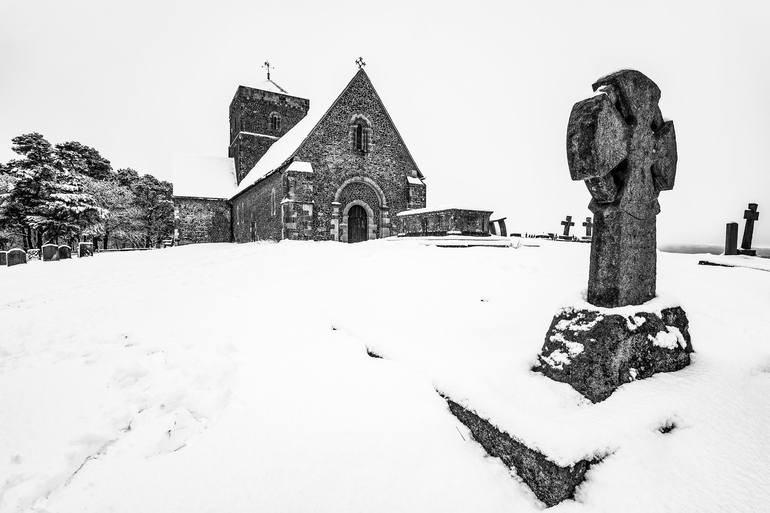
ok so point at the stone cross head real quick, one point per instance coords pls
(619, 144)
(567, 223)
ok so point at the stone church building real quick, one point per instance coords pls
(338, 173)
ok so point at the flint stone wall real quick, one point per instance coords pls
(202, 220)
(443, 222)
(335, 161)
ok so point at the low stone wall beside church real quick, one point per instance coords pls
(202, 220)
(449, 221)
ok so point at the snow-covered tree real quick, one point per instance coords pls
(121, 219)
(83, 159)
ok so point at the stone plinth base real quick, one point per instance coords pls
(597, 351)
(550, 482)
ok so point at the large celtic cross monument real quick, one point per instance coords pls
(619, 144)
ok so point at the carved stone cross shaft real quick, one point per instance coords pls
(618, 143)
(567, 223)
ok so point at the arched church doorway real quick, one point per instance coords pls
(357, 224)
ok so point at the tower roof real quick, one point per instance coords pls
(270, 86)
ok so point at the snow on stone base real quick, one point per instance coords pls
(596, 352)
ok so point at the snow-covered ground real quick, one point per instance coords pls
(235, 378)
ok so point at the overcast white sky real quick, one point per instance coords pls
(481, 91)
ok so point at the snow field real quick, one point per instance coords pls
(235, 377)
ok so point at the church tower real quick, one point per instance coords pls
(259, 116)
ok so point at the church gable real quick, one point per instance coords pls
(357, 132)
(342, 172)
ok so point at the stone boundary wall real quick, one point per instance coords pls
(202, 220)
(453, 221)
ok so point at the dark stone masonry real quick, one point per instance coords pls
(342, 178)
(203, 220)
(449, 221)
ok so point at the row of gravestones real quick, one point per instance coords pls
(731, 233)
(48, 253)
(568, 223)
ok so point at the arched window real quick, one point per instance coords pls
(274, 122)
(361, 134)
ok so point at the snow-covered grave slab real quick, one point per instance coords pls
(459, 241)
(749, 262)
(204, 378)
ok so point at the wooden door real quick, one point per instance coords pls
(357, 229)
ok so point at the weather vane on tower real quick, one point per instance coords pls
(268, 67)
(360, 62)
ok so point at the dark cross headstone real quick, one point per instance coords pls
(731, 239)
(65, 252)
(567, 223)
(50, 252)
(618, 143)
(492, 228)
(750, 215)
(16, 256)
(85, 249)
(589, 225)
(3, 258)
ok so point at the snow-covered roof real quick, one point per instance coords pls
(440, 209)
(414, 180)
(282, 149)
(269, 85)
(203, 176)
(300, 167)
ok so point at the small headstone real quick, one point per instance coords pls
(731, 239)
(65, 252)
(503, 229)
(589, 226)
(750, 215)
(50, 252)
(16, 256)
(85, 249)
(567, 223)
(492, 228)
(3, 258)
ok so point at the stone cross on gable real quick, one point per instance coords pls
(567, 223)
(360, 62)
(750, 215)
(588, 226)
(619, 144)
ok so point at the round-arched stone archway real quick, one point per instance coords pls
(364, 192)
